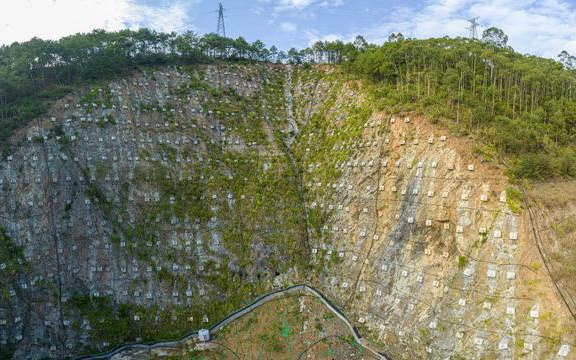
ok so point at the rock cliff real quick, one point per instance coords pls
(145, 207)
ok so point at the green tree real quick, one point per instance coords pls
(569, 61)
(495, 37)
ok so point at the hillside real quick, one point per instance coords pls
(150, 204)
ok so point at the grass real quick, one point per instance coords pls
(462, 262)
(535, 266)
(514, 200)
(564, 227)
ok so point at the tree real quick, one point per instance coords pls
(273, 53)
(294, 56)
(569, 61)
(241, 47)
(395, 37)
(360, 43)
(495, 37)
(282, 56)
(260, 51)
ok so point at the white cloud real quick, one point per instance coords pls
(331, 3)
(171, 18)
(312, 36)
(20, 20)
(543, 27)
(296, 5)
(288, 26)
(538, 29)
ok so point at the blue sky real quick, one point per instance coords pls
(543, 27)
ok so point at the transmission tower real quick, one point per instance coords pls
(472, 28)
(221, 28)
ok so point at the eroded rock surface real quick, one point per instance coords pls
(151, 206)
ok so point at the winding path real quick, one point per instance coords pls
(237, 314)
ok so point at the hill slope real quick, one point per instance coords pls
(155, 204)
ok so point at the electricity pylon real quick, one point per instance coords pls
(472, 28)
(221, 30)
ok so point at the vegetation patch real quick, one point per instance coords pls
(514, 200)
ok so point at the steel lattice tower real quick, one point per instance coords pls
(473, 26)
(221, 30)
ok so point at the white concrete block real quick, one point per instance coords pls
(564, 350)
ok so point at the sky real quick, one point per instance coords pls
(543, 28)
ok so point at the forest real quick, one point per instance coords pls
(521, 109)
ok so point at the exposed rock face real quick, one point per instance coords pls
(147, 192)
(157, 204)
